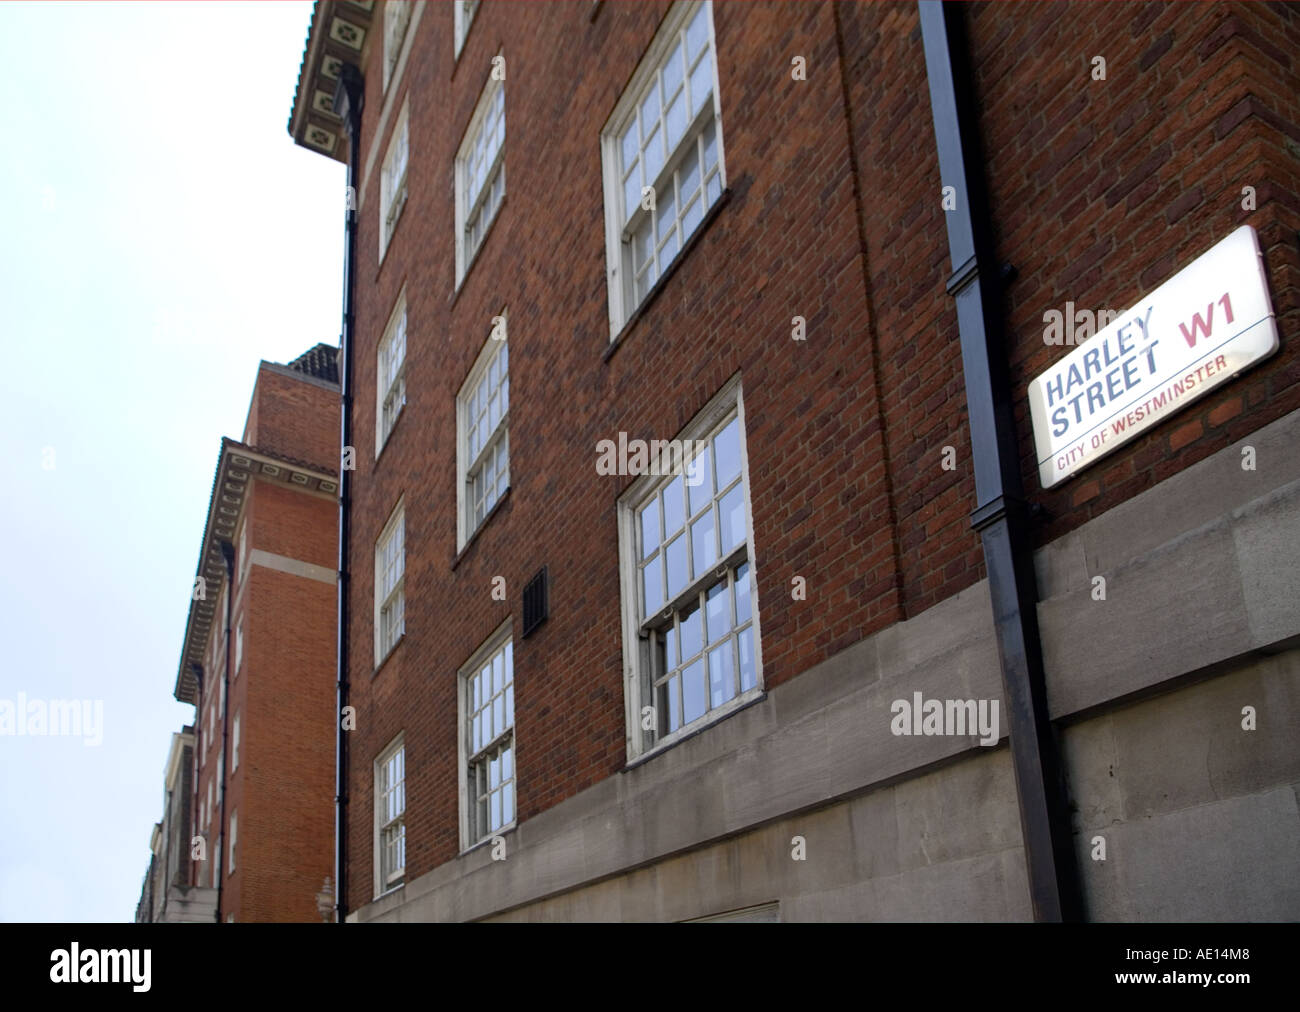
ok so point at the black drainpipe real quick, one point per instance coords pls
(348, 101)
(1002, 515)
(228, 553)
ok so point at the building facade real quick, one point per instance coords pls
(258, 654)
(685, 467)
(169, 894)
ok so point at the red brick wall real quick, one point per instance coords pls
(295, 417)
(283, 690)
(1102, 190)
(845, 432)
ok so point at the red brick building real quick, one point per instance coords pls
(258, 656)
(583, 225)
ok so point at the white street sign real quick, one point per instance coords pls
(1198, 330)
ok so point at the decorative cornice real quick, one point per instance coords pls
(338, 34)
(237, 465)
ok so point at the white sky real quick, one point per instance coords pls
(160, 234)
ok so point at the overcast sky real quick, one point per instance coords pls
(161, 234)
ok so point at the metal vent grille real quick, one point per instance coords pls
(535, 604)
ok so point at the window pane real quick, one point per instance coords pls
(701, 84)
(726, 447)
(710, 148)
(649, 112)
(677, 574)
(676, 120)
(674, 511)
(643, 244)
(510, 706)
(698, 32)
(652, 580)
(654, 156)
(665, 213)
(748, 677)
(699, 484)
(694, 698)
(702, 543)
(508, 803)
(630, 146)
(498, 673)
(670, 640)
(689, 173)
(744, 611)
(692, 633)
(650, 527)
(631, 194)
(693, 216)
(668, 703)
(668, 252)
(731, 507)
(673, 72)
(494, 772)
(719, 611)
(722, 677)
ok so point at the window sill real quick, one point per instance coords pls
(643, 307)
(742, 702)
(389, 892)
(479, 529)
(460, 282)
(388, 656)
(489, 838)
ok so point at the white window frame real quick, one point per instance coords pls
(467, 468)
(397, 593)
(397, 21)
(500, 643)
(462, 19)
(637, 650)
(390, 387)
(465, 211)
(386, 879)
(620, 227)
(234, 749)
(234, 837)
(393, 189)
(207, 821)
(216, 863)
(239, 658)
